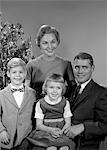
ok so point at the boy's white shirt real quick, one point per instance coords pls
(39, 114)
(18, 95)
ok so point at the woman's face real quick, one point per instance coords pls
(48, 44)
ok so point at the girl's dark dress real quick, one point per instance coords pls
(45, 139)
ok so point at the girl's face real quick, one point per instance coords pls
(54, 90)
(17, 75)
(48, 44)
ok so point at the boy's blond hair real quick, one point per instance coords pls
(15, 62)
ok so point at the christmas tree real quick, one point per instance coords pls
(12, 44)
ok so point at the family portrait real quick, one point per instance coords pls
(53, 75)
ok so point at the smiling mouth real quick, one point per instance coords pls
(54, 95)
(80, 76)
(50, 51)
(17, 79)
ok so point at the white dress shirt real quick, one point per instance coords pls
(18, 95)
(83, 86)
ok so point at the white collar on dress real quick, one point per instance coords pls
(46, 98)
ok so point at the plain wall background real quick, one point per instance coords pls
(82, 25)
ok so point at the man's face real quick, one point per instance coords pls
(82, 70)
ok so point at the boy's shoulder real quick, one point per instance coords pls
(29, 88)
(5, 89)
(30, 93)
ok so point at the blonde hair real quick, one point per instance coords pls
(15, 62)
(54, 78)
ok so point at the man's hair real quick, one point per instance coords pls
(83, 55)
(54, 78)
(46, 29)
(15, 62)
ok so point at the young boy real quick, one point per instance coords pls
(16, 106)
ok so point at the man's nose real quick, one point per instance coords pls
(80, 70)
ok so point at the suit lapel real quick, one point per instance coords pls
(25, 98)
(10, 96)
(85, 93)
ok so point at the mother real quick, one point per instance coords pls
(38, 69)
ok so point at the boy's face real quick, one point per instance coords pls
(17, 75)
(54, 90)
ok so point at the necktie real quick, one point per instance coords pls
(76, 93)
(20, 90)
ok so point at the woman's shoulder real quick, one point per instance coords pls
(35, 61)
(62, 59)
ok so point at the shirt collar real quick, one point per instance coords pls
(21, 86)
(46, 98)
(83, 85)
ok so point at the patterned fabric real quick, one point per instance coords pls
(20, 90)
(76, 91)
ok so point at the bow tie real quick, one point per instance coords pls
(20, 90)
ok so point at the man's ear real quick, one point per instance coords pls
(93, 67)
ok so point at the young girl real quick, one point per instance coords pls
(53, 116)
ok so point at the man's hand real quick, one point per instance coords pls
(4, 137)
(74, 130)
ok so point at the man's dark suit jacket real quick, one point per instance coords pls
(90, 109)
